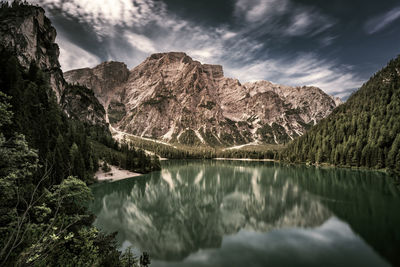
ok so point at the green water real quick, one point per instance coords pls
(231, 213)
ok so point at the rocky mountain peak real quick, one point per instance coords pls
(172, 97)
(178, 61)
(172, 56)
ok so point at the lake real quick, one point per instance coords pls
(235, 213)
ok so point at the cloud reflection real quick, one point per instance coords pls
(184, 209)
(332, 244)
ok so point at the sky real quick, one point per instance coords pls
(335, 45)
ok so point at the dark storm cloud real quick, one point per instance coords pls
(334, 45)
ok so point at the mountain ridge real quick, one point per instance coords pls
(171, 97)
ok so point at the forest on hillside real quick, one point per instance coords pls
(363, 132)
(46, 162)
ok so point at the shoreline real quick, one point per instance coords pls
(115, 174)
(245, 159)
(325, 165)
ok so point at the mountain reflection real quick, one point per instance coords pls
(192, 205)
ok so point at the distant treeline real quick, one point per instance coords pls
(178, 151)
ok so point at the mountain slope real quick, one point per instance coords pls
(176, 99)
(365, 131)
(101, 79)
(28, 34)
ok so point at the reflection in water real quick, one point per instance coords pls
(332, 244)
(208, 210)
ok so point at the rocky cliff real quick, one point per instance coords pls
(80, 103)
(101, 79)
(28, 34)
(172, 97)
(26, 31)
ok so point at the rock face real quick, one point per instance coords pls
(101, 79)
(81, 104)
(27, 33)
(174, 98)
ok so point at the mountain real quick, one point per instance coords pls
(174, 98)
(364, 131)
(28, 34)
(102, 79)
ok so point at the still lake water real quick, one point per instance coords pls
(232, 213)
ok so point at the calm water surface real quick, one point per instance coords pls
(231, 213)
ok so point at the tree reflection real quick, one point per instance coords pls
(193, 205)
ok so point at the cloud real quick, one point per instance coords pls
(115, 12)
(282, 17)
(308, 21)
(306, 69)
(301, 23)
(140, 42)
(74, 57)
(103, 14)
(327, 40)
(332, 244)
(226, 34)
(258, 10)
(381, 21)
(131, 30)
